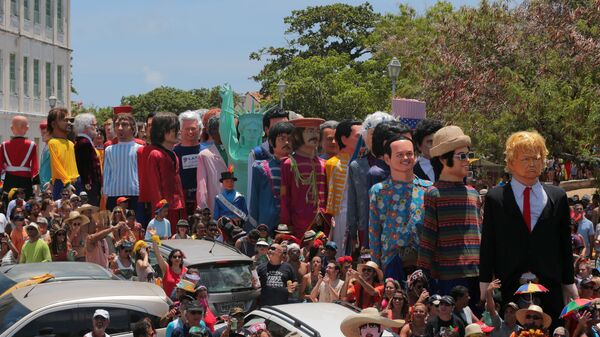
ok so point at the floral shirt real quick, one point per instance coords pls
(396, 217)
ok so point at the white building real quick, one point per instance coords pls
(35, 60)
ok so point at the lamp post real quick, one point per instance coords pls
(393, 72)
(281, 89)
(52, 100)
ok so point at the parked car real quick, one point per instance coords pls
(307, 319)
(224, 270)
(68, 307)
(62, 271)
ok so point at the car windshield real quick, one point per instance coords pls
(220, 277)
(11, 311)
(5, 283)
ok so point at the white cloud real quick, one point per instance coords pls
(152, 77)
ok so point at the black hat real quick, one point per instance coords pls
(447, 299)
(194, 306)
(227, 175)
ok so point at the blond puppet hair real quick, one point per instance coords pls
(525, 141)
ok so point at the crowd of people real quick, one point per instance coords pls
(371, 212)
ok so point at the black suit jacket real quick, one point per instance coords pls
(509, 250)
(88, 163)
(418, 171)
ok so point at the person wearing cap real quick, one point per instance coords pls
(8, 251)
(162, 167)
(63, 163)
(347, 134)
(160, 224)
(43, 227)
(308, 245)
(121, 178)
(193, 314)
(278, 279)
(88, 163)
(303, 179)
(397, 210)
(423, 137)
(503, 326)
(331, 251)
(265, 182)
(34, 249)
(445, 324)
(363, 287)
(262, 248)
(123, 265)
(183, 228)
(230, 202)
(358, 187)
(526, 228)
(449, 239)
(474, 330)
(19, 158)
(250, 131)
(100, 322)
(187, 152)
(235, 324)
(368, 323)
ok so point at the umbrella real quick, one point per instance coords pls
(531, 288)
(573, 306)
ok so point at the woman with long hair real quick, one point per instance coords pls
(310, 280)
(416, 327)
(397, 307)
(59, 245)
(143, 268)
(172, 269)
(328, 287)
(122, 265)
(389, 290)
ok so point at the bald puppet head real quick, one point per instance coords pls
(19, 126)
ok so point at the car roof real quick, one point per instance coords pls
(205, 251)
(323, 317)
(61, 270)
(147, 295)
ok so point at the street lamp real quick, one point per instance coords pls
(281, 89)
(394, 71)
(52, 100)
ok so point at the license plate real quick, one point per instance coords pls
(225, 307)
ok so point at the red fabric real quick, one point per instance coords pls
(121, 109)
(142, 154)
(162, 178)
(367, 300)
(527, 207)
(16, 149)
(171, 279)
(210, 320)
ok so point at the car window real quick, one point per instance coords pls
(5, 282)
(121, 320)
(50, 323)
(11, 311)
(275, 329)
(229, 277)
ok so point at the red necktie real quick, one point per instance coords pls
(527, 207)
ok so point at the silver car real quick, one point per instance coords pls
(225, 271)
(67, 307)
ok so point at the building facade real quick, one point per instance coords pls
(35, 61)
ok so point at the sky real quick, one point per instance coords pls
(123, 48)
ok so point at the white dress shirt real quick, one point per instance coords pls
(537, 199)
(426, 167)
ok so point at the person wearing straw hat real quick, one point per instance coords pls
(368, 323)
(303, 180)
(363, 286)
(534, 317)
(96, 245)
(526, 228)
(450, 238)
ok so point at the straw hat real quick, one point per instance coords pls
(74, 215)
(87, 207)
(473, 329)
(373, 265)
(448, 138)
(533, 309)
(282, 229)
(351, 324)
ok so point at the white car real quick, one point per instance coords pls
(307, 319)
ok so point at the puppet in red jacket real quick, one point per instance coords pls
(162, 166)
(18, 159)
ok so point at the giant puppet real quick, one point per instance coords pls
(250, 131)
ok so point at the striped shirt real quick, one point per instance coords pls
(121, 170)
(449, 242)
(336, 169)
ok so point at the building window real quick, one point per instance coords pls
(26, 76)
(59, 83)
(13, 74)
(48, 79)
(36, 78)
(59, 16)
(49, 13)
(36, 12)
(26, 13)
(14, 8)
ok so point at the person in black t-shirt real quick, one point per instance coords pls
(277, 278)
(446, 324)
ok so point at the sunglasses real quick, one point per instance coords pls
(196, 313)
(76, 224)
(465, 156)
(177, 257)
(533, 317)
(367, 270)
